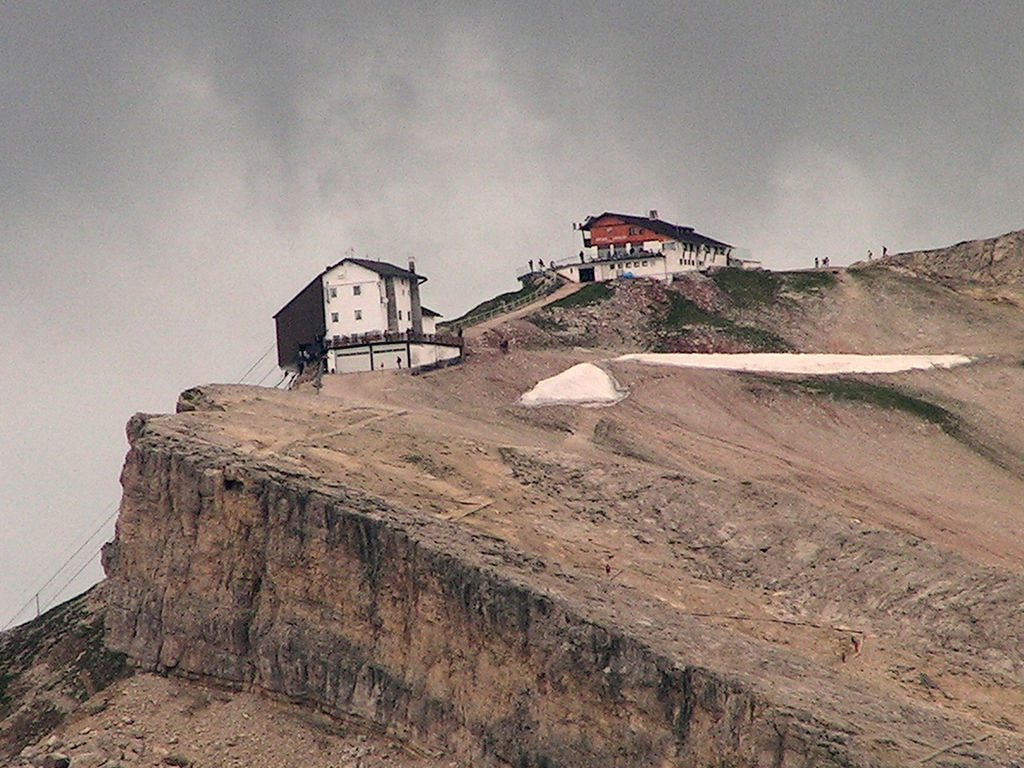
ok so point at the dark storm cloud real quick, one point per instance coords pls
(173, 173)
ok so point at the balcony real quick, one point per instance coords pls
(387, 337)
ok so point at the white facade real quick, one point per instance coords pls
(389, 356)
(358, 314)
(661, 263)
(356, 301)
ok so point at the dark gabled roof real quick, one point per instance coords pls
(382, 268)
(676, 232)
(430, 312)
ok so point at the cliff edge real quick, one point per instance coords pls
(570, 586)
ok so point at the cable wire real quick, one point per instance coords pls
(57, 573)
(265, 375)
(260, 360)
(59, 592)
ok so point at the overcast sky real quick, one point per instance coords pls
(171, 175)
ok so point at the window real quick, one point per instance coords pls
(399, 314)
(359, 314)
(334, 292)
(334, 317)
(356, 290)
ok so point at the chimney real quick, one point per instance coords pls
(414, 300)
(653, 214)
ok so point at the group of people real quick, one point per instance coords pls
(885, 252)
(824, 262)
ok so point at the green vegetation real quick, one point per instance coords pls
(747, 287)
(882, 396)
(806, 282)
(682, 314)
(591, 293)
(868, 275)
(760, 339)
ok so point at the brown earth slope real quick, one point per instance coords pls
(722, 569)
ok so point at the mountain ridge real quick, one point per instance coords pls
(720, 569)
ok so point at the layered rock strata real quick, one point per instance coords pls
(251, 573)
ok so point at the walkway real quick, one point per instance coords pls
(475, 332)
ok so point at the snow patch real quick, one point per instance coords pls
(791, 362)
(584, 384)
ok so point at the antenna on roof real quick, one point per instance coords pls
(653, 214)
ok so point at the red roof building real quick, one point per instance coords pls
(620, 245)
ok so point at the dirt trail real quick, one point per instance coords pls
(475, 332)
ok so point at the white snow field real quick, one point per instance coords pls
(583, 384)
(589, 385)
(792, 362)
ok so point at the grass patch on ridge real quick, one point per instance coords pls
(882, 396)
(683, 314)
(806, 282)
(591, 293)
(760, 338)
(747, 287)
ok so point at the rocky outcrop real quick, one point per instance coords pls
(248, 575)
(995, 264)
(50, 666)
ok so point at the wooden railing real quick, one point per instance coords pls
(549, 284)
(383, 337)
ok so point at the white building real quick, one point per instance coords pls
(619, 245)
(362, 315)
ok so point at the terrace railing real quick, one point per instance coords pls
(384, 337)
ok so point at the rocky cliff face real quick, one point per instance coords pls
(648, 584)
(247, 575)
